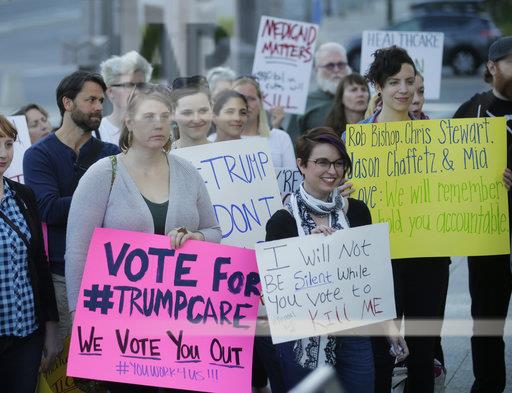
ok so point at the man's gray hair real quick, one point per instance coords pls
(129, 63)
(330, 47)
(218, 74)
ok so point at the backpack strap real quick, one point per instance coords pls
(113, 161)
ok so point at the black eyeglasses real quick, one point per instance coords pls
(331, 66)
(191, 82)
(129, 85)
(325, 164)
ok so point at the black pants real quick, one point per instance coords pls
(421, 286)
(20, 358)
(490, 284)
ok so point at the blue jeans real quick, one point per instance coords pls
(354, 364)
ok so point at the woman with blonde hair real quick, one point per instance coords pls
(142, 189)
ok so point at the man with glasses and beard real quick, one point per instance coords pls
(121, 75)
(490, 278)
(53, 166)
(331, 66)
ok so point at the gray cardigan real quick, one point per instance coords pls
(95, 205)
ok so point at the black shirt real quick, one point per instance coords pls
(488, 105)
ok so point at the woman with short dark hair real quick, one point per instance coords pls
(421, 284)
(318, 207)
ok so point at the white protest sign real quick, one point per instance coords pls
(288, 180)
(316, 284)
(283, 62)
(425, 48)
(15, 170)
(241, 182)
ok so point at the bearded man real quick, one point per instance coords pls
(331, 66)
(53, 166)
(490, 278)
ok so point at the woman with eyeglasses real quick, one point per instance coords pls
(229, 115)
(28, 310)
(192, 110)
(142, 189)
(318, 207)
(421, 284)
(280, 143)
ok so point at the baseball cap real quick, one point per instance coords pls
(500, 48)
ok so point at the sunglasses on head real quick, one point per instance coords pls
(146, 88)
(195, 81)
(129, 85)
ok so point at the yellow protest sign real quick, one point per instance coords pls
(56, 380)
(437, 182)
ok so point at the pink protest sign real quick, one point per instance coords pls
(149, 315)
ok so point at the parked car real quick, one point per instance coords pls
(461, 6)
(467, 38)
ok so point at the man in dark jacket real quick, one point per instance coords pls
(331, 66)
(490, 278)
(53, 166)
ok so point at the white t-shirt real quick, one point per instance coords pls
(109, 132)
(281, 148)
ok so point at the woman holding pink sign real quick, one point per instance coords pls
(142, 189)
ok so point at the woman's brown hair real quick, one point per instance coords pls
(7, 129)
(319, 135)
(337, 118)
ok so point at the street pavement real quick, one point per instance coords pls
(456, 340)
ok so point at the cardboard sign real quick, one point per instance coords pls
(241, 182)
(15, 170)
(437, 182)
(283, 61)
(55, 379)
(425, 49)
(288, 180)
(150, 315)
(315, 285)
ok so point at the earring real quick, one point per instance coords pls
(130, 138)
(378, 94)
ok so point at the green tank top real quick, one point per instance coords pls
(159, 214)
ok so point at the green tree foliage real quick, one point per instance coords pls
(501, 12)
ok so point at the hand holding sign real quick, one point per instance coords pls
(316, 285)
(439, 184)
(151, 315)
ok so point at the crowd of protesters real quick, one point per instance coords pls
(118, 171)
